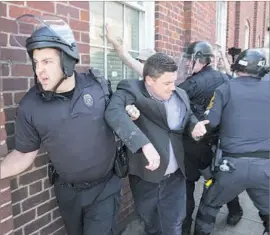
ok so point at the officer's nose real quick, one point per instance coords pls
(39, 69)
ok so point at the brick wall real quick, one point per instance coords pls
(231, 24)
(6, 217)
(169, 27)
(179, 23)
(240, 12)
(203, 21)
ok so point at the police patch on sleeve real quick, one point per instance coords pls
(88, 100)
(211, 103)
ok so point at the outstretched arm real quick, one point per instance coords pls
(123, 54)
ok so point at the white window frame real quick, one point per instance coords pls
(147, 36)
(221, 24)
(247, 34)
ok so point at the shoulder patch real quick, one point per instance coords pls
(211, 103)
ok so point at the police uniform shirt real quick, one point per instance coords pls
(241, 108)
(200, 88)
(72, 131)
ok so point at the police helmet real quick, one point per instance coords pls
(201, 50)
(251, 61)
(52, 32)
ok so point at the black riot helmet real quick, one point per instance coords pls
(49, 32)
(199, 51)
(251, 61)
(56, 35)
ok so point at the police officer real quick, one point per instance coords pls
(201, 82)
(241, 109)
(64, 111)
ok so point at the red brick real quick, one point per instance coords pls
(13, 55)
(44, 208)
(22, 70)
(65, 10)
(5, 69)
(5, 196)
(51, 227)
(37, 224)
(19, 194)
(80, 4)
(11, 84)
(85, 37)
(4, 183)
(85, 59)
(6, 226)
(18, 2)
(18, 41)
(34, 175)
(83, 48)
(18, 96)
(16, 11)
(79, 25)
(24, 218)
(47, 6)
(8, 26)
(8, 99)
(84, 15)
(3, 39)
(35, 200)
(3, 9)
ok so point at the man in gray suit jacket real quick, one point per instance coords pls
(154, 141)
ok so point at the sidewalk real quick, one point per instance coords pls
(249, 225)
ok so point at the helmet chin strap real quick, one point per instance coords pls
(49, 95)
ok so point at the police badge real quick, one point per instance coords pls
(88, 100)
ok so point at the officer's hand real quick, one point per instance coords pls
(199, 129)
(133, 112)
(152, 157)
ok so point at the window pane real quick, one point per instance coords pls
(96, 23)
(115, 68)
(132, 28)
(115, 18)
(130, 73)
(97, 59)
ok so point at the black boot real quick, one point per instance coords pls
(235, 212)
(265, 219)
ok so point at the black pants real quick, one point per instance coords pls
(198, 156)
(250, 174)
(160, 205)
(89, 211)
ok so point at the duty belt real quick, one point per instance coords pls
(258, 154)
(89, 184)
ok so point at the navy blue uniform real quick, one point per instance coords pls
(81, 146)
(241, 110)
(200, 88)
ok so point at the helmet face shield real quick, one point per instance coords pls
(185, 67)
(54, 28)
